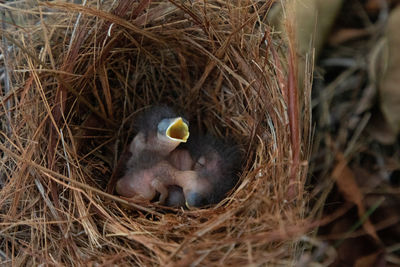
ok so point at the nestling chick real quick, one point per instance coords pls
(198, 175)
(216, 163)
(160, 131)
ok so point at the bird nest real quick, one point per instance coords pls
(76, 75)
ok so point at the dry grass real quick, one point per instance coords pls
(79, 75)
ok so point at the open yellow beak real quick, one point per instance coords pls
(178, 130)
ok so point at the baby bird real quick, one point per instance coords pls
(160, 131)
(216, 163)
(198, 175)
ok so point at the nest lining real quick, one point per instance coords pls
(82, 73)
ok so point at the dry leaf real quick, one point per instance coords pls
(314, 19)
(345, 35)
(389, 89)
(380, 130)
(347, 185)
(377, 5)
(374, 259)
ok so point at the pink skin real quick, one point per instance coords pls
(181, 159)
(179, 170)
(158, 144)
(145, 184)
(211, 163)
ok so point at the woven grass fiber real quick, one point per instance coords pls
(78, 73)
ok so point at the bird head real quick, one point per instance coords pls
(196, 199)
(196, 189)
(170, 133)
(159, 130)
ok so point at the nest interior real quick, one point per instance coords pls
(81, 72)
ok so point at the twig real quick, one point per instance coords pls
(6, 71)
(65, 153)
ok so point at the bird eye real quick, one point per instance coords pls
(195, 199)
(200, 163)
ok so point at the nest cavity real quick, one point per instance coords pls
(77, 76)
